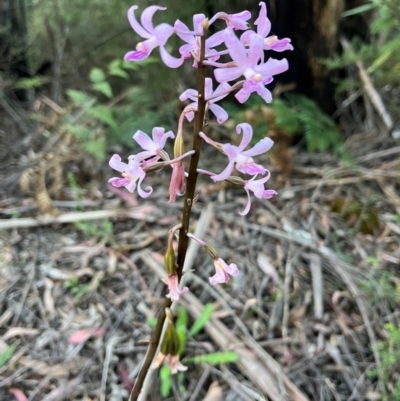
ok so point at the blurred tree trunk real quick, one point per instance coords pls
(313, 26)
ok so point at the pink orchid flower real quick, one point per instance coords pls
(234, 21)
(263, 29)
(156, 36)
(152, 147)
(172, 360)
(239, 157)
(177, 183)
(257, 75)
(223, 271)
(175, 291)
(192, 38)
(219, 93)
(257, 187)
(131, 173)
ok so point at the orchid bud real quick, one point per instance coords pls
(169, 261)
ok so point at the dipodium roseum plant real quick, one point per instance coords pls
(247, 69)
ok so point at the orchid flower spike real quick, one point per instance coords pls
(222, 269)
(257, 187)
(131, 173)
(152, 147)
(239, 157)
(211, 98)
(246, 60)
(263, 29)
(155, 36)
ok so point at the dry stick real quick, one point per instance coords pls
(370, 90)
(183, 239)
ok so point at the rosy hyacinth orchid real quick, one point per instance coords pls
(192, 39)
(257, 187)
(234, 21)
(152, 147)
(223, 271)
(177, 183)
(257, 75)
(131, 173)
(263, 29)
(155, 36)
(239, 157)
(175, 291)
(219, 93)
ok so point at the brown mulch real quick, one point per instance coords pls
(78, 296)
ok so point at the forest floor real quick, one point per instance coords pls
(81, 278)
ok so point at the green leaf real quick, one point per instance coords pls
(165, 381)
(201, 320)
(114, 68)
(214, 358)
(78, 97)
(103, 114)
(181, 328)
(7, 354)
(358, 10)
(28, 83)
(97, 75)
(96, 148)
(104, 88)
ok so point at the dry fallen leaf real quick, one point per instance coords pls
(18, 394)
(266, 266)
(81, 336)
(19, 331)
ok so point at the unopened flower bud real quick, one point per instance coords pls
(236, 181)
(178, 145)
(169, 261)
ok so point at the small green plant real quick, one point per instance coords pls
(184, 334)
(77, 289)
(6, 355)
(388, 372)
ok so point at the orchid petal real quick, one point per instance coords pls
(262, 22)
(216, 39)
(208, 87)
(227, 74)
(269, 193)
(248, 205)
(272, 67)
(242, 95)
(160, 136)
(264, 93)
(222, 90)
(247, 135)
(135, 24)
(169, 60)
(219, 112)
(190, 114)
(183, 32)
(143, 156)
(142, 193)
(256, 49)
(198, 20)
(116, 163)
(144, 141)
(136, 55)
(162, 33)
(236, 49)
(220, 277)
(225, 173)
(191, 94)
(231, 151)
(185, 50)
(251, 169)
(131, 186)
(119, 182)
(259, 148)
(147, 17)
(232, 269)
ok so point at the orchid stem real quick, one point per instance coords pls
(187, 207)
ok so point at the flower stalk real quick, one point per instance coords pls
(183, 238)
